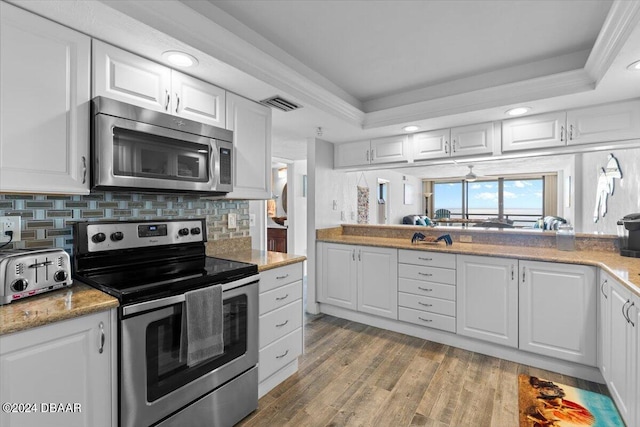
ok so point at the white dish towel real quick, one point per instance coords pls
(202, 324)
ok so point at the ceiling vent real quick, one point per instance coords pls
(280, 103)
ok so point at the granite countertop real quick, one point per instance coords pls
(266, 260)
(625, 269)
(67, 303)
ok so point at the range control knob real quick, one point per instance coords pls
(60, 276)
(183, 232)
(195, 230)
(19, 285)
(99, 237)
(117, 236)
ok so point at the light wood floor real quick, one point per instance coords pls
(357, 375)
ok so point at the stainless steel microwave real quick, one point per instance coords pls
(142, 150)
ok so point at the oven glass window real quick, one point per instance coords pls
(167, 368)
(144, 155)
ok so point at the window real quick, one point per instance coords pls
(518, 199)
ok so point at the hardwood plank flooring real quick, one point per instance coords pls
(357, 375)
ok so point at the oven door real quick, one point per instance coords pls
(134, 155)
(155, 381)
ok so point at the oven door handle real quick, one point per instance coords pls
(176, 299)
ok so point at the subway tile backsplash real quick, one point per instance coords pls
(47, 219)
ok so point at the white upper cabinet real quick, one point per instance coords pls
(455, 142)
(376, 151)
(129, 78)
(611, 122)
(251, 126)
(123, 76)
(389, 150)
(45, 83)
(196, 100)
(543, 130)
(431, 145)
(603, 123)
(472, 139)
(351, 154)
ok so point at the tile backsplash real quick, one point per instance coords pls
(47, 219)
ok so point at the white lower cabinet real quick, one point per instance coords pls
(66, 363)
(604, 330)
(427, 289)
(361, 278)
(621, 351)
(487, 292)
(558, 314)
(280, 334)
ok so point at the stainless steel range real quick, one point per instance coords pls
(29, 272)
(152, 267)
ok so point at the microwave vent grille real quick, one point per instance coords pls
(280, 103)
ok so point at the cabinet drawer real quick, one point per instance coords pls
(429, 274)
(271, 279)
(280, 322)
(279, 297)
(279, 354)
(431, 259)
(426, 288)
(431, 320)
(432, 305)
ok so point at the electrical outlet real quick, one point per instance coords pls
(466, 239)
(232, 220)
(343, 217)
(10, 223)
(335, 205)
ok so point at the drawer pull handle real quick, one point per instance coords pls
(425, 289)
(282, 298)
(282, 324)
(425, 274)
(425, 259)
(426, 305)
(282, 355)
(425, 320)
(627, 315)
(102, 338)
(282, 277)
(602, 288)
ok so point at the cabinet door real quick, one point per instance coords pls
(430, 145)
(251, 126)
(487, 298)
(59, 363)
(126, 77)
(339, 275)
(544, 130)
(611, 122)
(604, 331)
(378, 281)
(621, 382)
(473, 139)
(351, 154)
(635, 358)
(558, 311)
(389, 150)
(44, 129)
(196, 100)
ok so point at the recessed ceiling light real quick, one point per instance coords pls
(180, 59)
(634, 67)
(518, 111)
(410, 128)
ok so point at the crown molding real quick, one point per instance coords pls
(529, 90)
(622, 19)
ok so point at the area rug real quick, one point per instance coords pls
(543, 403)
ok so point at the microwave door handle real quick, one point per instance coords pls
(214, 164)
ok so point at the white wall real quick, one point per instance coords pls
(626, 197)
(258, 231)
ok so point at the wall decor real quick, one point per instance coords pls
(363, 200)
(606, 186)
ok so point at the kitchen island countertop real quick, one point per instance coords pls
(62, 304)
